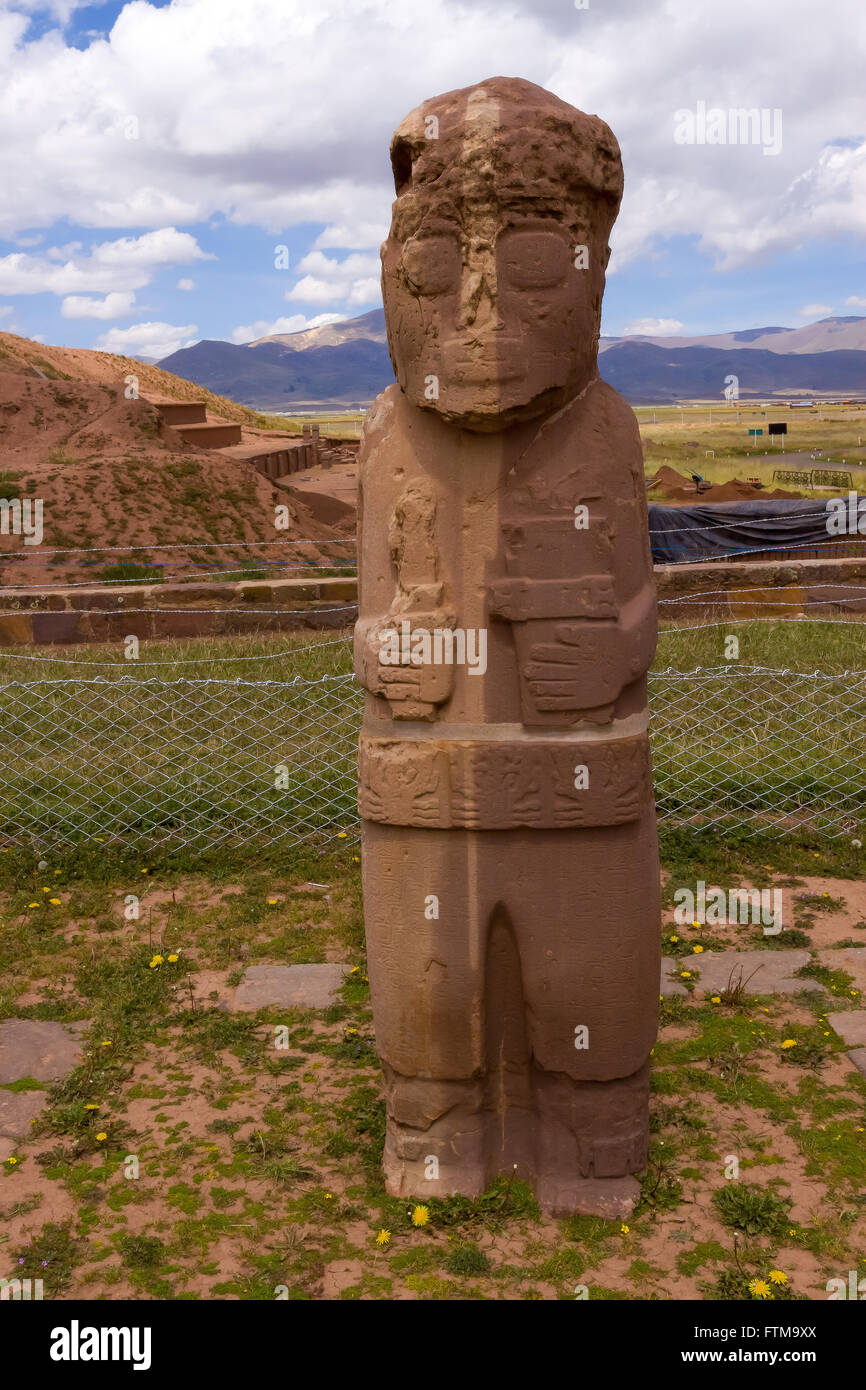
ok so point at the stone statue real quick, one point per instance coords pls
(507, 619)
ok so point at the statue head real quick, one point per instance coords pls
(493, 270)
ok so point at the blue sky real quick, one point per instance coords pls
(160, 152)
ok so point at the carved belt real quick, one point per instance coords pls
(503, 784)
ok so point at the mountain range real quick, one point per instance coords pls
(347, 364)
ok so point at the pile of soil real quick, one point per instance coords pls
(107, 478)
(678, 489)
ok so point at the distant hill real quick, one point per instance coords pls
(827, 335)
(342, 363)
(370, 326)
(647, 375)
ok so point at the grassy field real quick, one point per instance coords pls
(249, 742)
(684, 439)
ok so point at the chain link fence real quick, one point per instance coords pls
(201, 763)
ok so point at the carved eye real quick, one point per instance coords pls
(533, 260)
(432, 264)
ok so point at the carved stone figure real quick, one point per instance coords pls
(507, 619)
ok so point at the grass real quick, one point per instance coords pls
(143, 754)
(682, 438)
(258, 1169)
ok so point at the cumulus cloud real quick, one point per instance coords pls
(653, 328)
(113, 306)
(185, 284)
(148, 339)
(125, 264)
(295, 323)
(353, 281)
(276, 113)
(815, 311)
(855, 301)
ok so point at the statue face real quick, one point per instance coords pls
(492, 320)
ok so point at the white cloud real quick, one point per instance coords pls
(295, 323)
(186, 284)
(6, 310)
(113, 306)
(148, 339)
(354, 280)
(815, 311)
(653, 328)
(855, 301)
(206, 83)
(122, 265)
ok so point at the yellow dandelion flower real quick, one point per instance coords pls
(101, 1136)
(342, 835)
(329, 1196)
(624, 1230)
(685, 974)
(106, 1042)
(12, 1161)
(716, 999)
(174, 957)
(355, 859)
(383, 1238)
(32, 904)
(673, 938)
(789, 1042)
(57, 871)
(420, 1216)
(697, 925)
(792, 1232)
(697, 950)
(272, 902)
(778, 1276)
(46, 890)
(351, 1030)
(92, 1106)
(354, 970)
(55, 902)
(157, 960)
(759, 1288)
(100, 838)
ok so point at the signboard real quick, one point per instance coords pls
(777, 429)
(756, 431)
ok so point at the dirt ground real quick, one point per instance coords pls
(216, 1163)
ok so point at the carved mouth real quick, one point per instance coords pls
(502, 364)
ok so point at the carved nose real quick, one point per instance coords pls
(479, 307)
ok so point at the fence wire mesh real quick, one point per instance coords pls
(199, 763)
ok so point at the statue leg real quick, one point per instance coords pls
(425, 960)
(587, 912)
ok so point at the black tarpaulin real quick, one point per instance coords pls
(733, 528)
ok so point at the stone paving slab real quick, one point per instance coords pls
(851, 959)
(773, 970)
(671, 986)
(45, 1051)
(858, 1057)
(851, 1027)
(288, 986)
(17, 1110)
